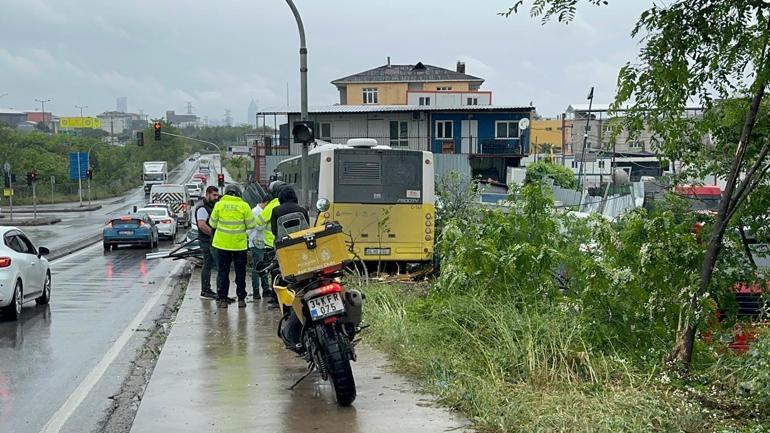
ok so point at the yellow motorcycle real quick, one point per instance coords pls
(319, 316)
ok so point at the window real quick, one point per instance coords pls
(371, 95)
(473, 101)
(444, 88)
(444, 129)
(601, 164)
(326, 132)
(574, 164)
(399, 133)
(635, 144)
(548, 128)
(506, 129)
(424, 100)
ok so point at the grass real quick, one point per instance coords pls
(510, 369)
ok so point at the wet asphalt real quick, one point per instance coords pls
(95, 295)
(224, 370)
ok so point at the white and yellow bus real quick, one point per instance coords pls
(382, 197)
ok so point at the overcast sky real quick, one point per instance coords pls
(221, 54)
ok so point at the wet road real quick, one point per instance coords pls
(50, 354)
(226, 371)
(45, 355)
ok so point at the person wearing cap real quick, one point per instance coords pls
(231, 219)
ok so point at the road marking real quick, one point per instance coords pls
(57, 421)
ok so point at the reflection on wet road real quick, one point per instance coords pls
(47, 353)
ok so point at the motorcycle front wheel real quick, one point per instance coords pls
(335, 350)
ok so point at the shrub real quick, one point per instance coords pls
(562, 176)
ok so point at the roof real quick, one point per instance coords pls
(406, 73)
(12, 111)
(606, 107)
(335, 109)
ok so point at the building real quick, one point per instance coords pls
(417, 84)
(119, 123)
(251, 114)
(183, 120)
(597, 128)
(121, 104)
(38, 116)
(547, 135)
(488, 137)
(12, 118)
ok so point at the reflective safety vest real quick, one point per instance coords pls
(231, 218)
(264, 220)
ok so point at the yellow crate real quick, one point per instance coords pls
(311, 250)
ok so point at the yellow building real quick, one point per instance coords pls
(390, 84)
(546, 134)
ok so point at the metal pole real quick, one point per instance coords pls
(305, 168)
(80, 182)
(88, 183)
(34, 201)
(52, 182)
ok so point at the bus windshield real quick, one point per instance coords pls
(384, 177)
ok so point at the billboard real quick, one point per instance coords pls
(80, 122)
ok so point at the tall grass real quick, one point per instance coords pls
(514, 370)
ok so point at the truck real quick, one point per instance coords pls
(154, 173)
(204, 165)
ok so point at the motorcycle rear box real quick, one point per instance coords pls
(307, 251)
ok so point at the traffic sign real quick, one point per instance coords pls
(80, 122)
(7, 192)
(78, 165)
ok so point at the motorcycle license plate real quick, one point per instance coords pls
(325, 306)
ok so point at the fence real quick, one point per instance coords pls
(68, 192)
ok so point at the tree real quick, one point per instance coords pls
(562, 176)
(700, 51)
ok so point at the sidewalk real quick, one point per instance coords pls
(226, 371)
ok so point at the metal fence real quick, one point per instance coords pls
(67, 192)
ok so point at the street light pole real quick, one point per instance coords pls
(42, 107)
(305, 166)
(81, 107)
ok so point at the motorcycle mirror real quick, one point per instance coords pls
(322, 205)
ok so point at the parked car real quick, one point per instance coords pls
(131, 229)
(24, 272)
(195, 189)
(176, 196)
(163, 219)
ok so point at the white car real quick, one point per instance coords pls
(24, 272)
(195, 189)
(165, 222)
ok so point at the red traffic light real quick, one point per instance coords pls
(157, 125)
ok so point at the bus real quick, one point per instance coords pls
(382, 197)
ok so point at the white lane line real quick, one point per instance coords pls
(57, 421)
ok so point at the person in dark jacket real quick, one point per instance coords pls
(289, 203)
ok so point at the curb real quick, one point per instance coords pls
(76, 246)
(27, 209)
(30, 222)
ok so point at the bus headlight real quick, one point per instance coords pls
(427, 223)
(427, 230)
(428, 216)
(427, 237)
(322, 204)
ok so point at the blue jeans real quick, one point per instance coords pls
(260, 258)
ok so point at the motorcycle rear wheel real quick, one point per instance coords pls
(338, 364)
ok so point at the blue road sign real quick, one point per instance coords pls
(78, 165)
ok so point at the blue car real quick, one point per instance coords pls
(131, 229)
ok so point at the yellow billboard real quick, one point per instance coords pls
(80, 122)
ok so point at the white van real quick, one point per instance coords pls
(177, 197)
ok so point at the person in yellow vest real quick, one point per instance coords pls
(263, 220)
(231, 219)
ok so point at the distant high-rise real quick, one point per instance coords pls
(121, 104)
(252, 113)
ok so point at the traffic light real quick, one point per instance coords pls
(156, 127)
(221, 180)
(303, 132)
(31, 177)
(140, 138)
(89, 174)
